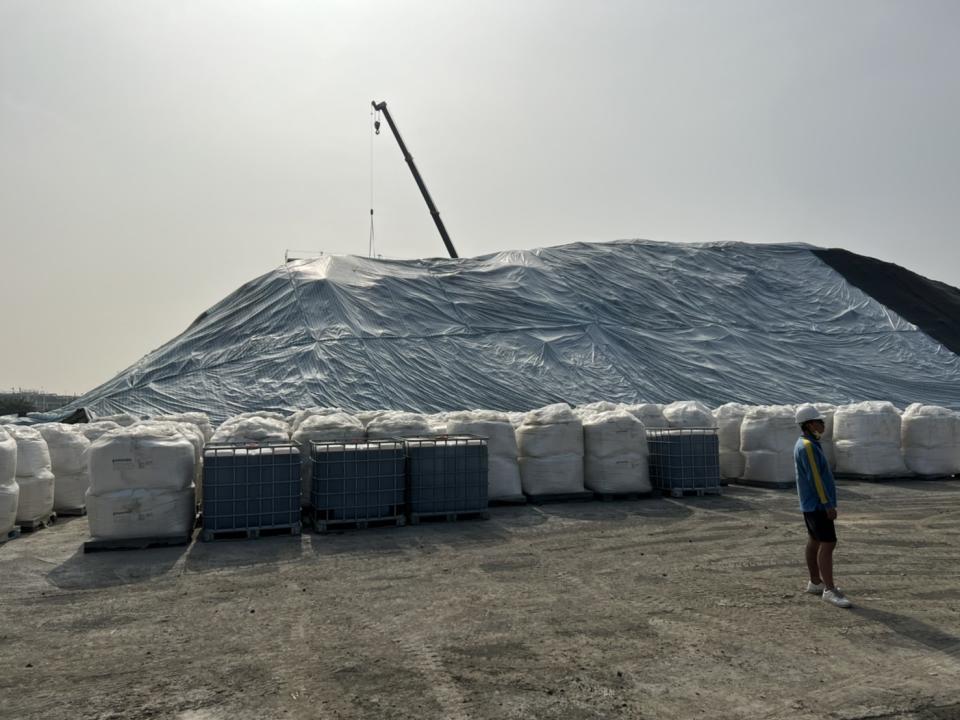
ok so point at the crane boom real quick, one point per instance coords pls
(382, 107)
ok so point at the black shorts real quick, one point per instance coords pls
(819, 526)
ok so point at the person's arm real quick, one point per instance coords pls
(818, 482)
(831, 487)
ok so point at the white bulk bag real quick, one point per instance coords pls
(769, 466)
(867, 440)
(729, 418)
(251, 429)
(36, 496)
(336, 426)
(265, 414)
(769, 427)
(396, 424)
(70, 491)
(136, 513)
(552, 475)
(437, 423)
(155, 456)
(689, 414)
(8, 457)
(366, 416)
(629, 474)
(300, 415)
(549, 431)
(92, 431)
(613, 433)
(198, 419)
(593, 408)
(9, 502)
(550, 443)
(67, 447)
(494, 426)
(615, 456)
(768, 435)
(503, 471)
(651, 415)
(33, 457)
(930, 438)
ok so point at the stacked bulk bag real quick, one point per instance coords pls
(688, 414)
(516, 418)
(768, 435)
(503, 470)
(335, 427)
(367, 416)
(251, 429)
(930, 438)
(867, 440)
(615, 458)
(300, 415)
(550, 446)
(728, 419)
(121, 419)
(9, 490)
(68, 457)
(593, 408)
(826, 442)
(198, 419)
(269, 414)
(398, 424)
(437, 423)
(651, 415)
(141, 483)
(92, 431)
(34, 474)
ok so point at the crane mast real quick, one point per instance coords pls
(434, 213)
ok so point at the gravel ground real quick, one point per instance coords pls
(656, 608)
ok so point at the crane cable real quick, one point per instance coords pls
(376, 126)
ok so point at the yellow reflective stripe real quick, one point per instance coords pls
(815, 470)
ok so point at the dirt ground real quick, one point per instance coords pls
(656, 608)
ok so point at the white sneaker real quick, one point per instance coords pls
(836, 597)
(815, 588)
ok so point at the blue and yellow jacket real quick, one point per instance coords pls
(815, 484)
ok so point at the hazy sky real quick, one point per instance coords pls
(154, 155)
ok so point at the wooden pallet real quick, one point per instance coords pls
(585, 496)
(250, 533)
(508, 501)
(616, 497)
(768, 484)
(38, 524)
(692, 492)
(10, 535)
(73, 512)
(142, 543)
(417, 518)
(327, 526)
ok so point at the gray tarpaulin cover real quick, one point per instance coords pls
(623, 321)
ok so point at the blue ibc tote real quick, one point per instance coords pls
(684, 460)
(446, 475)
(356, 482)
(251, 487)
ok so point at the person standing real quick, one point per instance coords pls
(818, 502)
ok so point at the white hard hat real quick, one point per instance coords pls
(806, 413)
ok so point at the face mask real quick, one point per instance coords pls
(816, 434)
